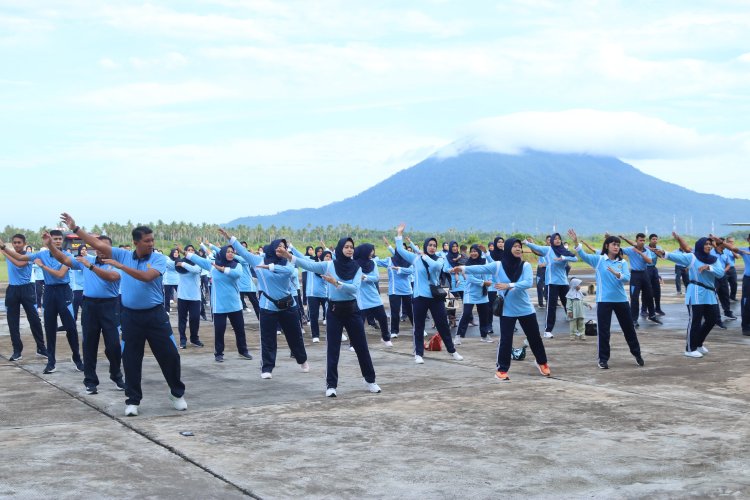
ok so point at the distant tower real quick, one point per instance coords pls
(713, 228)
(674, 223)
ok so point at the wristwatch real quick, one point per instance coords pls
(338, 283)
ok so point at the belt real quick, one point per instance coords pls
(99, 300)
(142, 310)
(25, 284)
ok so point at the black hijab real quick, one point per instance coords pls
(701, 255)
(362, 257)
(315, 254)
(424, 248)
(512, 265)
(480, 261)
(452, 257)
(560, 250)
(496, 253)
(221, 258)
(399, 261)
(270, 253)
(346, 267)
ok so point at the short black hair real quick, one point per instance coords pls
(141, 231)
(19, 236)
(653, 235)
(640, 235)
(104, 237)
(55, 232)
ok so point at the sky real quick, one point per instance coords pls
(210, 110)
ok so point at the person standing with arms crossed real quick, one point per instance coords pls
(143, 318)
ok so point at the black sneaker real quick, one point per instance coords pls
(91, 389)
(636, 325)
(197, 343)
(204, 317)
(730, 315)
(656, 320)
(49, 369)
(746, 333)
(15, 357)
(219, 358)
(42, 353)
(183, 345)
(603, 365)
(246, 355)
(639, 361)
(660, 313)
(77, 363)
(119, 383)
(721, 325)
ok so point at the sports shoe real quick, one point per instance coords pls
(471, 323)
(246, 355)
(331, 392)
(388, 343)
(42, 353)
(119, 383)
(183, 345)
(324, 324)
(644, 314)
(661, 313)
(656, 320)
(351, 348)
(544, 369)
(730, 315)
(278, 332)
(394, 335)
(456, 356)
(418, 359)
(49, 369)
(372, 386)
(702, 350)
(693, 354)
(219, 358)
(15, 357)
(78, 364)
(316, 340)
(131, 410)
(639, 361)
(721, 325)
(548, 335)
(266, 375)
(603, 365)
(636, 325)
(344, 338)
(572, 336)
(487, 340)
(179, 403)
(501, 375)
(305, 367)
(91, 389)
(457, 340)
(197, 343)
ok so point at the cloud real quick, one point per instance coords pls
(143, 95)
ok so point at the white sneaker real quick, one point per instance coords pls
(418, 359)
(388, 343)
(693, 354)
(487, 340)
(351, 348)
(316, 340)
(131, 410)
(278, 332)
(179, 403)
(702, 350)
(372, 387)
(266, 375)
(324, 324)
(548, 335)
(331, 392)
(305, 367)
(344, 338)
(456, 356)
(457, 340)
(394, 335)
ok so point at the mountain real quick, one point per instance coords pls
(528, 192)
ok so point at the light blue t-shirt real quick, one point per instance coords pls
(138, 294)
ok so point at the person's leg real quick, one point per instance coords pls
(269, 324)
(161, 341)
(695, 318)
(485, 325)
(540, 290)
(407, 307)
(626, 323)
(182, 316)
(463, 324)
(133, 344)
(220, 327)
(50, 322)
(358, 339)
(440, 317)
(745, 304)
(65, 310)
(505, 347)
(678, 279)
(107, 314)
(382, 319)
(394, 301)
(647, 294)
(604, 323)
(91, 328)
(421, 305)
(194, 316)
(253, 297)
(313, 306)
(242, 299)
(732, 279)
(238, 325)
(656, 289)
(77, 302)
(334, 327)
(552, 295)
(28, 301)
(709, 320)
(39, 289)
(722, 290)
(636, 284)
(530, 328)
(13, 308)
(290, 325)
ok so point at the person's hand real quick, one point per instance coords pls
(83, 260)
(46, 239)
(224, 233)
(395, 268)
(487, 283)
(330, 279)
(570, 315)
(112, 262)
(263, 266)
(408, 240)
(617, 274)
(482, 248)
(38, 262)
(573, 236)
(502, 286)
(455, 270)
(179, 263)
(400, 228)
(283, 253)
(559, 259)
(704, 267)
(385, 240)
(68, 220)
(675, 235)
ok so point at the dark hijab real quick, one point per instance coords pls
(171, 254)
(452, 257)
(315, 255)
(221, 258)
(424, 248)
(701, 255)
(480, 261)
(346, 267)
(496, 253)
(270, 253)
(512, 265)
(399, 261)
(560, 250)
(362, 257)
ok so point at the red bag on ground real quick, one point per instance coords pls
(434, 344)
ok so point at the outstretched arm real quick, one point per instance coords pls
(104, 249)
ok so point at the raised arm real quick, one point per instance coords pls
(684, 246)
(104, 250)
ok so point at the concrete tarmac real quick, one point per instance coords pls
(676, 428)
